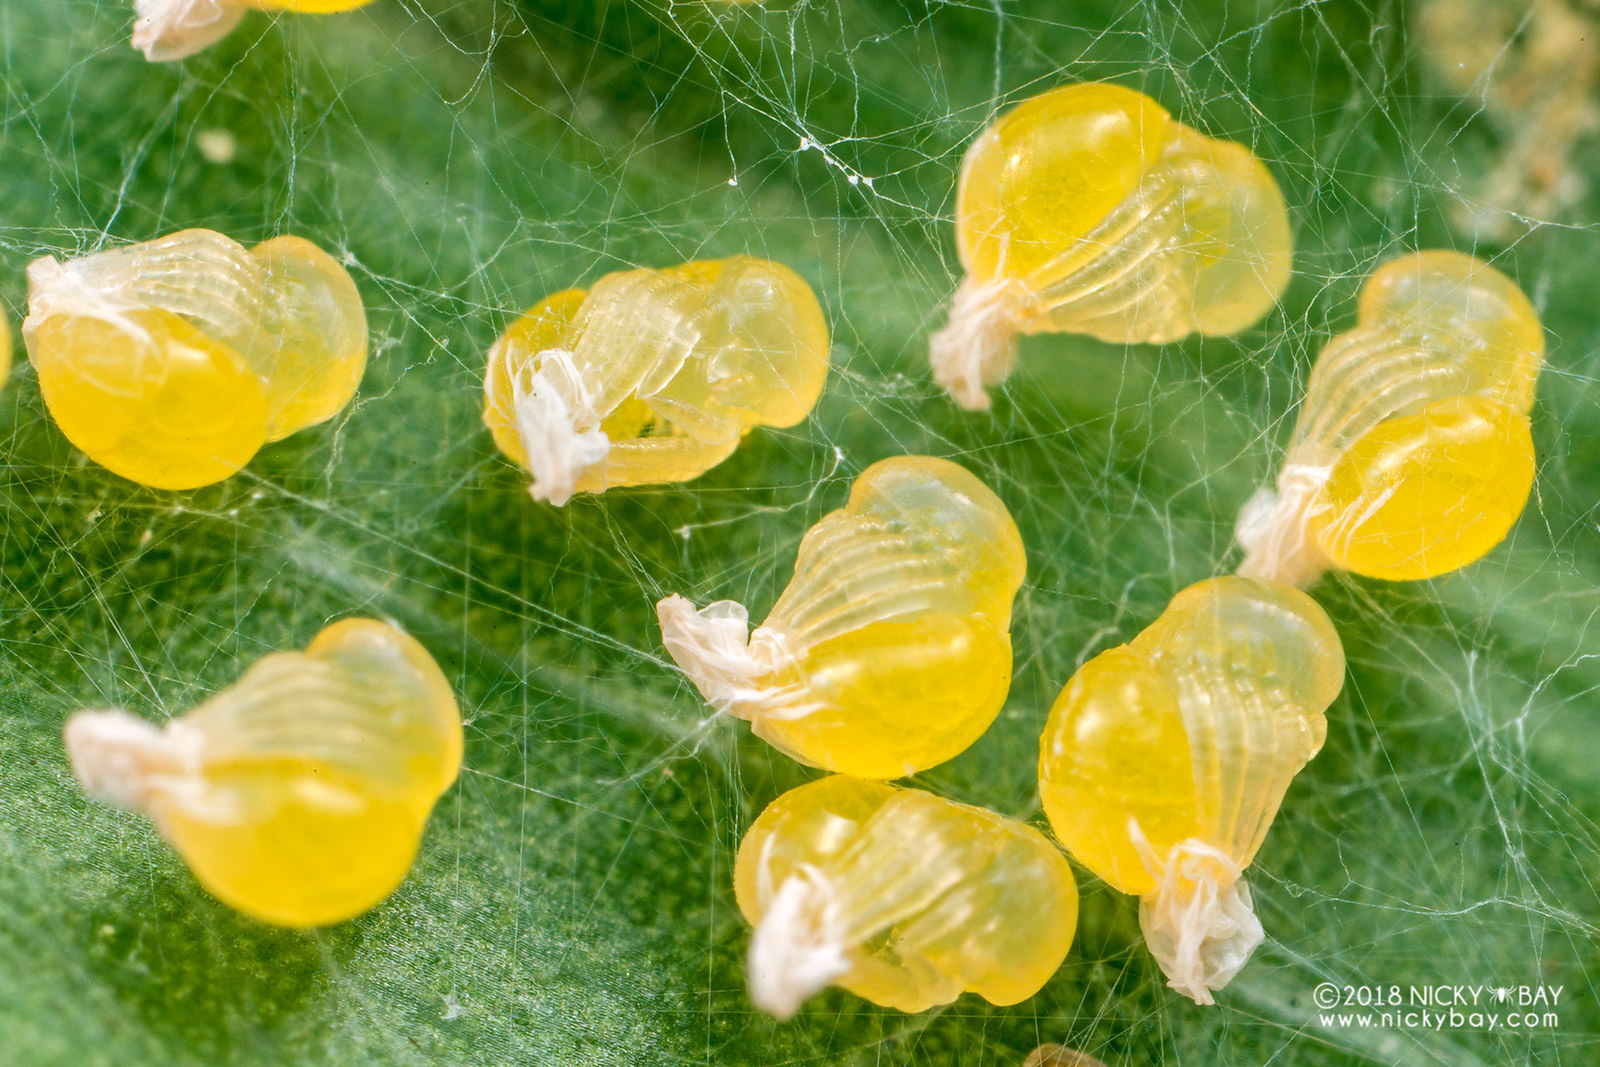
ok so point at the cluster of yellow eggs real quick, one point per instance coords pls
(300, 793)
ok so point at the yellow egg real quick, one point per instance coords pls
(1088, 209)
(297, 795)
(890, 650)
(1164, 761)
(653, 375)
(1413, 455)
(167, 30)
(1053, 1055)
(173, 361)
(5, 346)
(900, 897)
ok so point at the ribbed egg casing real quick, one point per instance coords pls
(168, 30)
(890, 649)
(173, 361)
(1164, 762)
(1452, 329)
(285, 308)
(1253, 665)
(1191, 731)
(5, 347)
(1088, 209)
(200, 275)
(918, 536)
(363, 699)
(633, 334)
(1413, 454)
(687, 343)
(1201, 245)
(654, 375)
(925, 897)
(300, 793)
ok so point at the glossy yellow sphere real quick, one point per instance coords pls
(1164, 761)
(900, 897)
(172, 362)
(1088, 209)
(890, 649)
(5, 346)
(654, 375)
(1413, 454)
(299, 794)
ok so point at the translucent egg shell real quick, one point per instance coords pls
(1089, 210)
(1413, 454)
(297, 795)
(890, 650)
(1053, 1055)
(5, 346)
(900, 897)
(654, 375)
(1164, 761)
(173, 361)
(166, 30)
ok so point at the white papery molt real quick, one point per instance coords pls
(172, 29)
(977, 348)
(559, 427)
(1198, 922)
(1273, 529)
(799, 946)
(121, 759)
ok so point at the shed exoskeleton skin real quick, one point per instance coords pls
(299, 794)
(1088, 209)
(1413, 454)
(171, 362)
(900, 897)
(890, 649)
(654, 375)
(1164, 762)
(168, 30)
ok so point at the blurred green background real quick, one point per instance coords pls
(572, 904)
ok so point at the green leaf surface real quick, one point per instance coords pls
(573, 902)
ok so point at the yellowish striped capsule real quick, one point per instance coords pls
(1053, 1055)
(654, 375)
(1413, 454)
(173, 361)
(166, 30)
(1164, 761)
(297, 795)
(5, 346)
(900, 897)
(1088, 209)
(890, 650)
